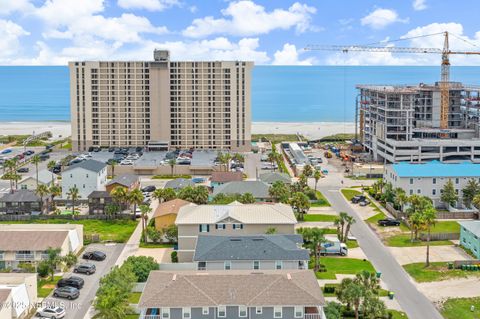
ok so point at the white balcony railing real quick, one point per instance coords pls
(313, 316)
(24, 256)
(151, 317)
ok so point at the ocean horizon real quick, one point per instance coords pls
(283, 94)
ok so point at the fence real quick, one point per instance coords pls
(457, 215)
(26, 218)
(439, 236)
(396, 213)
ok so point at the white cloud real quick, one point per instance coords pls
(289, 55)
(151, 5)
(380, 18)
(10, 33)
(64, 12)
(246, 18)
(419, 5)
(9, 6)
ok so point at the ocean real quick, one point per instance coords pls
(279, 93)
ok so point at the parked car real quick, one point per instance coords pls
(72, 281)
(66, 292)
(358, 198)
(333, 246)
(148, 189)
(44, 157)
(364, 203)
(111, 149)
(85, 268)
(388, 222)
(51, 312)
(94, 255)
(6, 151)
(23, 170)
(126, 162)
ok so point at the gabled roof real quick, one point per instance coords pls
(251, 247)
(243, 213)
(258, 189)
(437, 169)
(21, 196)
(126, 180)
(99, 194)
(179, 183)
(215, 288)
(4, 293)
(13, 240)
(44, 177)
(90, 165)
(472, 226)
(272, 177)
(224, 177)
(170, 207)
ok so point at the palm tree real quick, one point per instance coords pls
(112, 167)
(55, 191)
(313, 238)
(172, 162)
(349, 220)
(53, 259)
(308, 170)
(200, 195)
(73, 194)
(164, 194)
(11, 175)
(51, 165)
(144, 209)
(428, 220)
(340, 223)
(238, 158)
(272, 158)
(35, 160)
(476, 201)
(415, 221)
(135, 197)
(119, 195)
(300, 204)
(42, 191)
(317, 175)
(400, 197)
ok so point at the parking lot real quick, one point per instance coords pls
(76, 309)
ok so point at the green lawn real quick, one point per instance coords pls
(109, 230)
(403, 240)
(350, 193)
(436, 272)
(319, 218)
(276, 138)
(342, 265)
(134, 297)
(397, 314)
(446, 227)
(132, 316)
(329, 231)
(352, 244)
(375, 218)
(45, 286)
(381, 292)
(321, 201)
(459, 308)
(153, 245)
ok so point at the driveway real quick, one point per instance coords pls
(408, 255)
(161, 255)
(453, 288)
(77, 309)
(252, 166)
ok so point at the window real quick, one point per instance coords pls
(411, 180)
(220, 226)
(419, 191)
(411, 192)
(202, 265)
(242, 311)
(434, 180)
(434, 191)
(204, 228)
(258, 310)
(256, 264)
(456, 180)
(237, 226)
(277, 312)
(205, 310)
(298, 312)
(165, 313)
(187, 313)
(222, 311)
(23, 186)
(278, 264)
(227, 265)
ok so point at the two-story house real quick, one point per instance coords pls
(45, 177)
(28, 243)
(233, 219)
(129, 181)
(236, 294)
(22, 201)
(220, 178)
(254, 252)
(98, 201)
(87, 176)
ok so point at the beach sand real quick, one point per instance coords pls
(309, 130)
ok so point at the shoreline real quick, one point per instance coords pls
(308, 129)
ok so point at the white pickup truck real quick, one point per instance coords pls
(333, 246)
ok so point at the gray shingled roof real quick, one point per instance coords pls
(258, 189)
(252, 247)
(90, 165)
(99, 194)
(273, 177)
(472, 226)
(179, 183)
(21, 195)
(125, 180)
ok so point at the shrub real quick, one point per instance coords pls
(26, 267)
(174, 257)
(154, 234)
(43, 269)
(329, 289)
(142, 266)
(311, 194)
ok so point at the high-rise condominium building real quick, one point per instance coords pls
(161, 103)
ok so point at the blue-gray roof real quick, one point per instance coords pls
(258, 189)
(125, 180)
(179, 183)
(437, 169)
(252, 247)
(90, 165)
(472, 226)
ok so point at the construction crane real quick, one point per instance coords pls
(445, 68)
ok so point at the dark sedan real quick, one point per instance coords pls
(72, 281)
(94, 255)
(388, 222)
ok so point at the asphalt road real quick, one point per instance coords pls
(76, 309)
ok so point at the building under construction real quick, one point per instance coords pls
(403, 123)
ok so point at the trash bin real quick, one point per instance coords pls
(450, 265)
(464, 267)
(391, 295)
(379, 274)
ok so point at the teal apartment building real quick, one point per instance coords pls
(469, 236)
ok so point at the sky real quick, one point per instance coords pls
(275, 32)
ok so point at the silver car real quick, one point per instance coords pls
(51, 312)
(67, 292)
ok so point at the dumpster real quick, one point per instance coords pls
(391, 294)
(450, 265)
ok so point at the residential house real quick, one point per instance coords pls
(28, 242)
(20, 202)
(179, 183)
(257, 252)
(272, 177)
(233, 219)
(129, 181)
(18, 294)
(428, 179)
(220, 178)
(470, 236)
(87, 176)
(97, 201)
(44, 178)
(166, 213)
(268, 294)
(258, 189)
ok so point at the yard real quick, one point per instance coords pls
(436, 272)
(340, 265)
(155, 245)
(460, 308)
(319, 218)
(134, 297)
(403, 240)
(321, 201)
(350, 193)
(46, 286)
(327, 292)
(108, 230)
